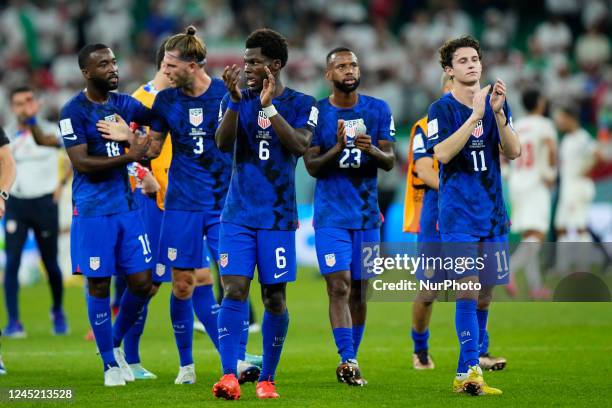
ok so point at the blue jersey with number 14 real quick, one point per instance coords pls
(346, 194)
(262, 189)
(470, 196)
(199, 172)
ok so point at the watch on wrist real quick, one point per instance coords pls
(4, 195)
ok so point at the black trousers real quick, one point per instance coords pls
(40, 215)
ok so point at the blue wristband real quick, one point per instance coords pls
(31, 121)
(233, 105)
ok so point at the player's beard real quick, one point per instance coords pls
(341, 86)
(104, 84)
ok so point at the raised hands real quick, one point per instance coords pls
(268, 88)
(479, 101)
(231, 77)
(498, 96)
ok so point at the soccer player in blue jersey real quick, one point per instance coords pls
(467, 130)
(108, 235)
(423, 173)
(197, 181)
(354, 138)
(269, 126)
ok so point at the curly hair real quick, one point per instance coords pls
(448, 49)
(273, 45)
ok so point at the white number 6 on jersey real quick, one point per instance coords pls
(281, 261)
(264, 153)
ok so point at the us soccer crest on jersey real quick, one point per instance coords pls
(354, 128)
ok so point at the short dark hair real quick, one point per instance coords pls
(335, 51)
(19, 89)
(449, 47)
(530, 98)
(273, 44)
(570, 109)
(86, 51)
(159, 55)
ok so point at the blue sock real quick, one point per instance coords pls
(466, 325)
(483, 336)
(343, 336)
(274, 330)
(206, 308)
(230, 324)
(99, 312)
(181, 315)
(244, 334)
(129, 311)
(357, 336)
(131, 341)
(421, 340)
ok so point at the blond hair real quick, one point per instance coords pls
(190, 46)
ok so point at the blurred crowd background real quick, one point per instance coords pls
(562, 46)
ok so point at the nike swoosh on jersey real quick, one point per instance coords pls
(73, 137)
(278, 275)
(147, 260)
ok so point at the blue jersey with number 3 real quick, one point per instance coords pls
(470, 196)
(346, 194)
(199, 172)
(262, 190)
(101, 192)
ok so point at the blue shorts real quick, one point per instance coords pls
(180, 242)
(429, 245)
(493, 251)
(339, 249)
(104, 245)
(152, 217)
(272, 251)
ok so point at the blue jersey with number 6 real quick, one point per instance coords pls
(262, 189)
(346, 194)
(199, 172)
(470, 196)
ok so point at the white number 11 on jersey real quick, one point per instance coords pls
(483, 164)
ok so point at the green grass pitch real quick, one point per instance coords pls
(558, 355)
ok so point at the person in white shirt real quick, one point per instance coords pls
(32, 205)
(530, 180)
(578, 154)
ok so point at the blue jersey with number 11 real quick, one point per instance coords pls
(470, 196)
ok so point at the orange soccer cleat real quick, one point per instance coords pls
(266, 389)
(227, 387)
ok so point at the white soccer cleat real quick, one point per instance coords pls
(141, 373)
(126, 371)
(186, 375)
(2, 367)
(199, 327)
(113, 377)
